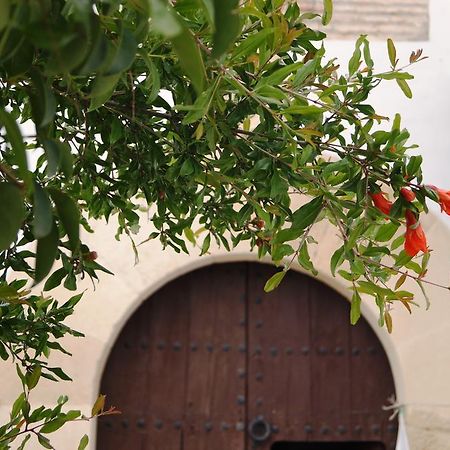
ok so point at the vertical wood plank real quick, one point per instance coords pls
(165, 383)
(122, 382)
(279, 374)
(215, 400)
(370, 393)
(330, 363)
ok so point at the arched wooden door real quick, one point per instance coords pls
(210, 362)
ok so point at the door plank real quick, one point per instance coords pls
(279, 374)
(330, 363)
(215, 399)
(370, 393)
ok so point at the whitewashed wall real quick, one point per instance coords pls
(419, 348)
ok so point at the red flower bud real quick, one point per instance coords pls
(444, 198)
(407, 194)
(381, 202)
(415, 239)
(91, 256)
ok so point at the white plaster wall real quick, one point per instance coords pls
(418, 349)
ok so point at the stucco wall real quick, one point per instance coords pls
(418, 349)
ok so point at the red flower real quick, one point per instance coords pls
(407, 194)
(415, 239)
(381, 202)
(444, 198)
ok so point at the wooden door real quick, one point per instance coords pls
(211, 362)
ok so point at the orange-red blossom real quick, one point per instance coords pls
(381, 202)
(444, 198)
(415, 239)
(407, 194)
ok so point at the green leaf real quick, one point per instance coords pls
(227, 26)
(3, 353)
(52, 426)
(66, 159)
(44, 441)
(327, 11)
(59, 373)
(392, 52)
(307, 214)
(252, 43)
(43, 100)
(190, 58)
(355, 60)
(24, 442)
(305, 260)
(17, 144)
(164, 19)
(355, 309)
(337, 259)
(46, 254)
(17, 405)
(206, 244)
(32, 378)
(125, 53)
(12, 213)
(404, 86)
(42, 213)
(55, 279)
(102, 89)
(274, 281)
(83, 442)
(69, 215)
(288, 234)
(279, 75)
(386, 232)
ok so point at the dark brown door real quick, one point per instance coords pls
(210, 362)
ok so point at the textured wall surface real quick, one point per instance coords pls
(405, 20)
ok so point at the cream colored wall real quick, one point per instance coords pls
(418, 349)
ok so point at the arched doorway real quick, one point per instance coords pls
(210, 362)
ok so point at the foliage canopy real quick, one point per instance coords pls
(214, 116)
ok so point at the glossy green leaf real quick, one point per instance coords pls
(125, 53)
(45, 442)
(32, 378)
(43, 101)
(392, 52)
(42, 213)
(227, 25)
(164, 19)
(386, 232)
(46, 254)
(55, 279)
(252, 43)
(327, 11)
(52, 426)
(102, 90)
(190, 58)
(274, 281)
(12, 213)
(24, 442)
(355, 309)
(404, 86)
(70, 216)
(83, 442)
(18, 146)
(307, 214)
